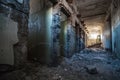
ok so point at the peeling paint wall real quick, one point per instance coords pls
(51, 35)
(49, 38)
(17, 12)
(115, 22)
(70, 39)
(56, 29)
(8, 37)
(44, 32)
(39, 38)
(40, 22)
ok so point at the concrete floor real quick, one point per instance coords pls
(89, 64)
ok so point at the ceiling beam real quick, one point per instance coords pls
(89, 16)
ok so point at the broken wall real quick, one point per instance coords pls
(18, 12)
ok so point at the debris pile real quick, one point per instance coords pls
(89, 64)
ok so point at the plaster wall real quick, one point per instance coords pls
(8, 37)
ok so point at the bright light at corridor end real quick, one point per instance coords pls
(93, 36)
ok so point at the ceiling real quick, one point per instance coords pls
(93, 13)
(88, 8)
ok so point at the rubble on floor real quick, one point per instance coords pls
(89, 64)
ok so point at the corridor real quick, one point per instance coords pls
(59, 39)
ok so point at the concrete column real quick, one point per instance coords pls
(56, 29)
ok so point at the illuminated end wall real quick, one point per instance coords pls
(95, 35)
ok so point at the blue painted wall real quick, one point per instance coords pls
(107, 36)
(115, 22)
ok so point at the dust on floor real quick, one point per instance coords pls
(89, 64)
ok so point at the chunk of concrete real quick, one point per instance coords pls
(91, 70)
